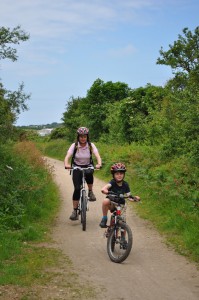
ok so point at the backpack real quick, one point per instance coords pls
(75, 150)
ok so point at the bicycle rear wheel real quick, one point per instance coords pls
(119, 242)
(83, 210)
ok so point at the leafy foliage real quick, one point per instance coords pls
(183, 55)
(138, 110)
(91, 111)
(7, 37)
(73, 116)
(24, 181)
(11, 103)
(59, 133)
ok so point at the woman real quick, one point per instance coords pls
(81, 153)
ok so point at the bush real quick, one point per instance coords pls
(24, 184)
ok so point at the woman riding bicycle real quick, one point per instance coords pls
(118, 186)
(81, 153)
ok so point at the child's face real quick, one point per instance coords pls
(118, 176)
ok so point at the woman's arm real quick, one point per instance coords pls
(66, 161)
(68, 156)
(97, 155)
(99, 160)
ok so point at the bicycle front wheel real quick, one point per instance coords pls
(83, 210)
(119, 242)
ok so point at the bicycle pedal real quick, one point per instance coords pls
(106, 234)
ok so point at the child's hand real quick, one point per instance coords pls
(134, 198)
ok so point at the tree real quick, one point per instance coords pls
(73, 116)
(7, 37)
(183, 55)
(11, 103)
(99, 98)
(178, 121)
(137, 109)
(93, 110)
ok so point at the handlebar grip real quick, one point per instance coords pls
(111, 193)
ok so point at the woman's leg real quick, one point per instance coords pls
(77, 181)
(89, 181)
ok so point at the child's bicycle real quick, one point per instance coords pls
(118, 233)
(84, 198)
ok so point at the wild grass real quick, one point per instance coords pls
(54, 148)
(29, 202)
(168, 189)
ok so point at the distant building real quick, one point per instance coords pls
(45, 131)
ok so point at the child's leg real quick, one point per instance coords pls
(105, 209)
(105, 206)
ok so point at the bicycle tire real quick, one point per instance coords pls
(83, 210)
(119, 242)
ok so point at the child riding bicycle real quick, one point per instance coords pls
(116, 185)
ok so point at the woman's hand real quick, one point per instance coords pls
(67, 166)
(98, 166)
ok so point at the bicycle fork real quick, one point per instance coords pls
(121, 233)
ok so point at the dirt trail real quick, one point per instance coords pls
(152, 270)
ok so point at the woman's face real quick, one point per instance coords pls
(83, 139)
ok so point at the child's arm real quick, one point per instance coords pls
(106, 188)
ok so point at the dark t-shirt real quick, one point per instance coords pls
(123, 189)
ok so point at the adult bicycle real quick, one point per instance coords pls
(118, 233)
(83, 206)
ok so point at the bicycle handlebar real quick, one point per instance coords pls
(80, 168)
(119, 197)
(116, 195)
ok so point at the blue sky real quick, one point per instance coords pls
(74, 42)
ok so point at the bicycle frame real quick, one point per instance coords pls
(118, 233)
(119, 214)
(83, 203)
(83, 188)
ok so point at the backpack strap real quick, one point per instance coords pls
(74, 152)
(91, 151)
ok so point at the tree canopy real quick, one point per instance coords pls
(11, 103)
(166, 116)
(183, 55)
(9, 37)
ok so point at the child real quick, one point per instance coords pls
(118, 186)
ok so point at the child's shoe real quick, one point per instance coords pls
(103, 223)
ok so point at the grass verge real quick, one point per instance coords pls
(30, 265)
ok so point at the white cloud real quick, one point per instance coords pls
(54, 24)
(46, 18)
